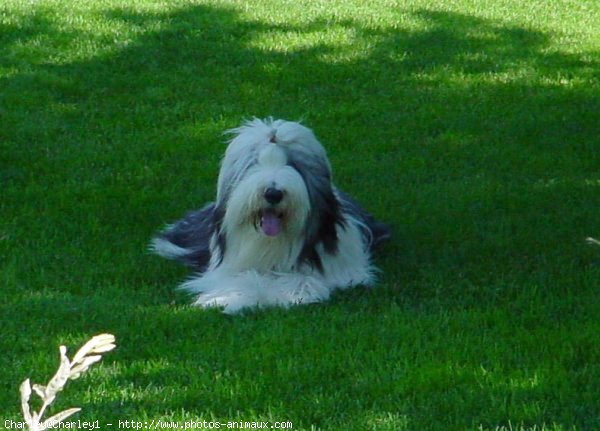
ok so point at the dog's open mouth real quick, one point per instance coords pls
(271, 222)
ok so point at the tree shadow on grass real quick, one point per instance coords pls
(450, 124)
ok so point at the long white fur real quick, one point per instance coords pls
(258, 270)
(235, 290)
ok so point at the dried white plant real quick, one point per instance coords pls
(90, 353)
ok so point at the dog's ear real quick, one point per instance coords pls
(322, 229)
(325, 207)
(329, 217)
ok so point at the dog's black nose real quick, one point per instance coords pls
(273, 195)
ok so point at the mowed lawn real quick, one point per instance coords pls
(472, 127)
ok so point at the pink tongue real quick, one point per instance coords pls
(270, 224)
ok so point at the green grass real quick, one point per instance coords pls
(473, 127)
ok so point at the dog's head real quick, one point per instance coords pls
(275, 178)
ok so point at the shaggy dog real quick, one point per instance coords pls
(279, 233)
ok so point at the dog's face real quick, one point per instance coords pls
(271, 197)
